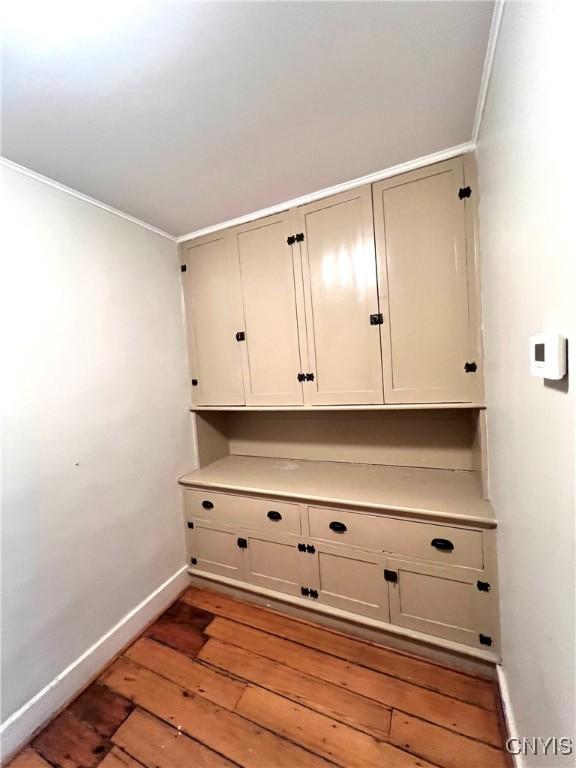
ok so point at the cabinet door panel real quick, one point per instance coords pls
(340, 290)
(440, 601)
(352, 581)
(271, 352)
(277, 565)
(420, 226)
(214, 316)
(216, 551)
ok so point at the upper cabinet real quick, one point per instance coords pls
(365, 297)
(213, 317)
(271, 349)
(428, 343)
(340, 292)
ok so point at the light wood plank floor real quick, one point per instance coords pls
(219, 682)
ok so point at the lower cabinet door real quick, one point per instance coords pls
(352, 581)
(277, 565)
(446, 602)
(216, 551)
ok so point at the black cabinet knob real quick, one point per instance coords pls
(337, 527)
(207, 504)
(443, 545)
(273, 515)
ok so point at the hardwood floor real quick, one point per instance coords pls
(218, 682)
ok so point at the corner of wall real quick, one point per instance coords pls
(19, 728)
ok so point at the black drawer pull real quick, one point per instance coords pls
(272, 515)
(207, 504)
(444, 545)
(337, 527)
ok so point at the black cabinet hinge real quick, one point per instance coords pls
(300, 237)
(314, 593)
(483, 586)
(464, 192)
(309, 377)
(183, 268)
(301, 547)
(309, 548)
(485, 639)
(190, 525)
(240, 336)
(193, 561)
(470, 367)
(390, 575)
(376, 319)
(304, 591)
(194, 382)
(301, 377)
(242, 543)
(291, 240)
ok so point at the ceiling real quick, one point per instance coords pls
(187, 114)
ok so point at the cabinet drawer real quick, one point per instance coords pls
(437, 543)
(242, 511)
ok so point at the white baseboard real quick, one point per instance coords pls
(23, 723)
(508, 712)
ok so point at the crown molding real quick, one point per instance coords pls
(74, 193)
(487, 69)
(395, 170)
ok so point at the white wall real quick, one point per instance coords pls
(95, 433)
(529, 285)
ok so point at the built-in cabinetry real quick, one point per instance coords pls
(425, 566)
(365, 297)
(336, 372)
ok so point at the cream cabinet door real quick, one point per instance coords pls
(340, 290)
(216, 551)
(441, 601)
(271, 351)
(352, 581)
(278, 565)
(427, 338)
(213, 316)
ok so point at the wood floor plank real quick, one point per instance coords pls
(183, 671)
(443, 747)
(116, 758)
(157, 745)
(458, 715)
(335, 741)
(29, 758)
(467, 688)
(181, 612)
(225, 732)
(70, 743)
(339, 704)
(101, 708)
(181, 627)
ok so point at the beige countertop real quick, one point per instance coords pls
(438, 493)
